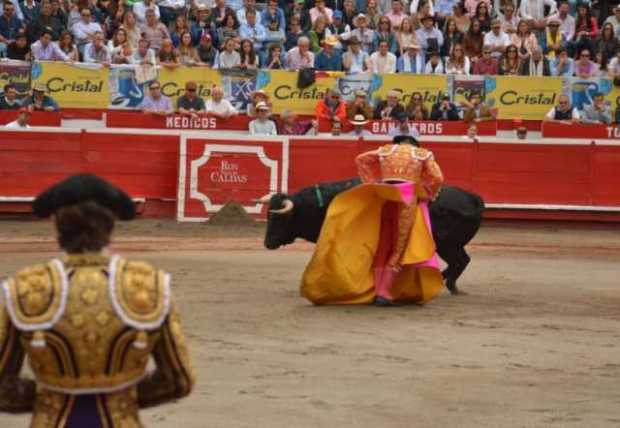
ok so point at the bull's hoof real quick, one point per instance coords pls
(382, 301)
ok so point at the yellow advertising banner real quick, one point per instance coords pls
(74, 85)
(282, 88)
(528, 98)
(173, 81)
(431, 87)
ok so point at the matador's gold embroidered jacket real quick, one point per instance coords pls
(88, 325)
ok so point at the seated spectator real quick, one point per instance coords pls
(177, 27)
(143, 55)
(299, 14)
(536, 65)
(247, 57)
(203, 24)
(30, 9)
(256, 97)
(66, 45)
(496, 40)
(301, 56)
(364, 35)
(274, 58)
(586, 29)
(218, 106)
(85, 29)
(220, 12)
(230, 29)
(229, 57)
(412, 62)
(534, 12)
(463, 22)
(487, 65)
(451, 35)
(45, 20)
(9, 100)
(429, 37)
(562, 65)
(168, 55)
(154, 31)
(155, 102)
(97, 52)
(23, 117)
(19, 49)
(139, 10)
(273, 13)
(320, 9)
(475, 110)
(383, 61)
(403, 128)
(122, 54)
(607, 44)
(57, 13)
(614, 20)
(171, 9)
(290, 125)
(273, 34)
(553, 41)
(391, 108)
(358, 122)
(396, 14)
(188, 56)
(117, 41)
(253, 31)
(132, 29)
(10, 26)
(483, 16)
(510, 65)
(38, 101)
(458, 63)
(247, 6)
(355, 60)
(331, 108)
(405, 36)
(262, 125)
(207, 53)
(563, 112)
(473, 41)
(416, 110)
(373, 14)
(617, 113)
(318, 33)
(444, 110)
(359, 105)
(509, 19)
(435, 64)
(584, 67)
(329, 59)
(598, 111)
(342, 20)
(613, 68)
(293, 34)
(384, 33)
(524, 40)
(190, 103)
(45, 50)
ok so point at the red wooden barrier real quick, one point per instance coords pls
(580, 130)
(37, 118)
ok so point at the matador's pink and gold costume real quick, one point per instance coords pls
(376, 243)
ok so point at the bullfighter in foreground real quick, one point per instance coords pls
(89, 321)
(376, 243)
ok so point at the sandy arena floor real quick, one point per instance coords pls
(535, 343)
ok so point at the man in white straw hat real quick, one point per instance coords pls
(262, 125)
(391, 107)
(413, 61)
(364, 35)
(358, 122)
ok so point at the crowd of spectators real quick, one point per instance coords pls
(506, 37)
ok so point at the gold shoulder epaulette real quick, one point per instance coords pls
(387, 149)
(421, 154)
(140, 293)
(36, 296)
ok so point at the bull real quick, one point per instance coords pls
(455, 215)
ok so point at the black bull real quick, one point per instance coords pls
(455, 216)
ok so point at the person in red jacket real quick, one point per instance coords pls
(331, 108)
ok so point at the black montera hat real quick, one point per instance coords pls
(80, 188)
(407, 139)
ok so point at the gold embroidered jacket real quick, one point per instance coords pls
(88, 325)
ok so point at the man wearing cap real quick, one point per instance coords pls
(391, 108)
(444, 109)
(44, 50)
(553, 41)
(155, 102)
(329, 58)
(358, 122)
(23, 116)
(403, 128)
(355, 60)
(359, 105)
(262, 125)
(413, 61)
(38, 101)
(598, 111)
(383, 61)
(89, 321)
(331, 108)
(376, 242)
(338, 25)
(428, 36)
(190, 103)
(496, 39)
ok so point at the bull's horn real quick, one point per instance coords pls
(264, 200)
(287, 208)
